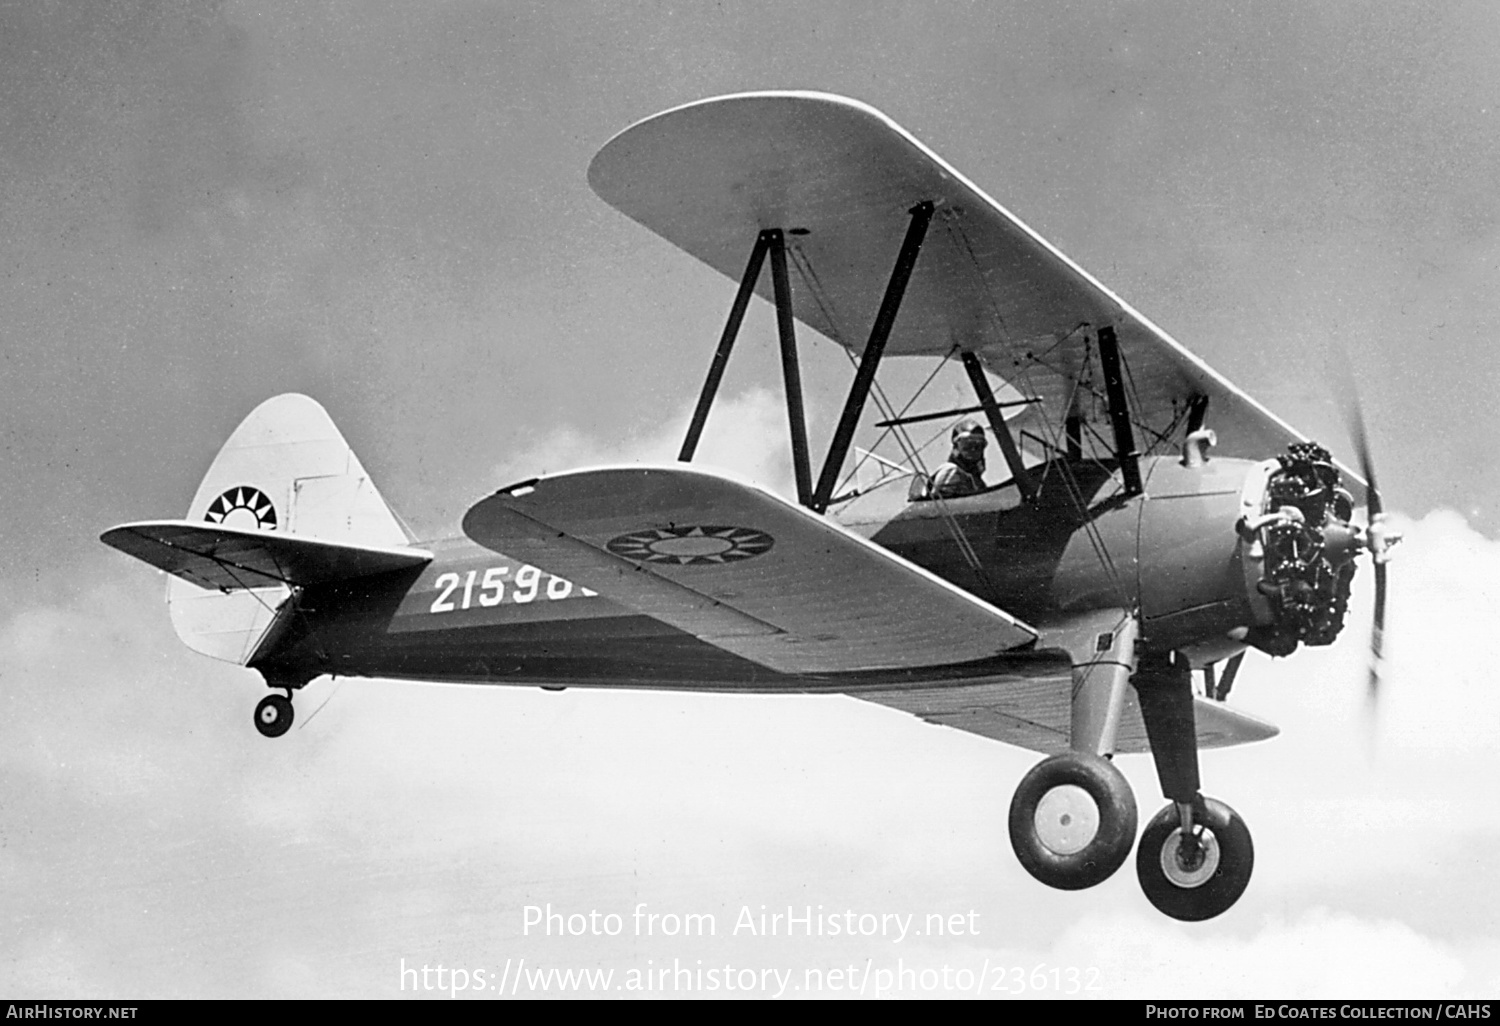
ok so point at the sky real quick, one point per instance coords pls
(384, 206)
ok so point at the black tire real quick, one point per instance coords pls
(273, 715)
(1206, 890)
(1075, 859)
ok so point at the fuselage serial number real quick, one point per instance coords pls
(489, 589)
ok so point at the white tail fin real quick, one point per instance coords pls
(285, 468)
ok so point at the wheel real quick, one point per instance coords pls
(273, 716)
(1195, 882)
(1072, 820)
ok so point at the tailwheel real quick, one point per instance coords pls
(1198, 873)
(273, 715)
(1072, 820)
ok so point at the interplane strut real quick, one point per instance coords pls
(880, 332)
(726, 344)
(772, 242)
(786, 330)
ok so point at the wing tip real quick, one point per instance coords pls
(1229, 727)
(600, 165)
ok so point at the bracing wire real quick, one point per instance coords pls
(1075, 491)
(337, 684)
(888, 431)
(898, 431)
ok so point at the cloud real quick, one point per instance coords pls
(745, 435)
(209, 210)
(1318, 953)
(151, 838)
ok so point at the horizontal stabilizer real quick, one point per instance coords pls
(232, 559)
(742, 569)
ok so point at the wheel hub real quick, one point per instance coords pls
(1190, 862)
(1066, 819)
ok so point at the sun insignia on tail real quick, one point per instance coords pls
(241, 505)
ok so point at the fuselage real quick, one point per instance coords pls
(475, 615)
(1084, 544)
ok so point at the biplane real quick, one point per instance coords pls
(1151, 522)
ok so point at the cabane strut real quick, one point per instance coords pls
(998, 427)
(1119, 413)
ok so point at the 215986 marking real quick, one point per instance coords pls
(464, 591)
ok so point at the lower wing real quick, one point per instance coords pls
(744, 570)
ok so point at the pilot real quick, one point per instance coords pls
(963, 474)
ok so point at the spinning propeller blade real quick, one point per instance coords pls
(1378, 537)
(1367, 470)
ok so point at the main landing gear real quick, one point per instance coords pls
(1195, 871)
(1072, 821)
(1073, 817)
(273, 714)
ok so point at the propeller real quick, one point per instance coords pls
(1379, 537)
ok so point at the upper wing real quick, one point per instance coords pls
(742, 569)
(841, 176)
(230, 559)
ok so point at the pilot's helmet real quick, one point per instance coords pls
(968, 436)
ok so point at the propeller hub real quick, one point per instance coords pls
(1341, 542)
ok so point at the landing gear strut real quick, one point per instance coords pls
(273, 715)
(1072, 820)
(1195, 856)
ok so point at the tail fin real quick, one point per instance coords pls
(286, 468)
